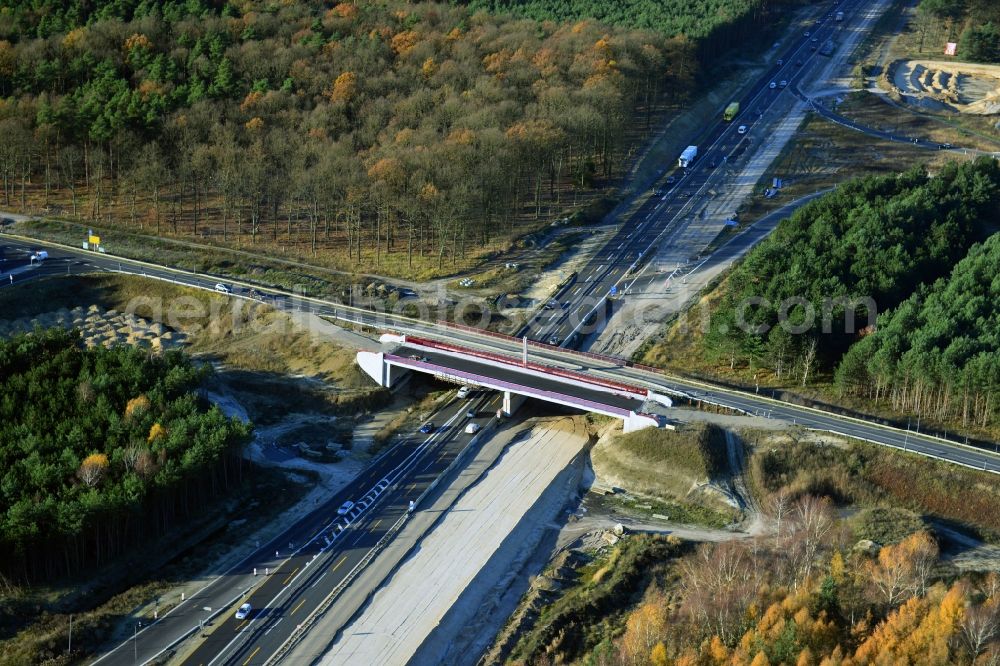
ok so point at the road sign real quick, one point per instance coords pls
(614, 290)
(94, 240)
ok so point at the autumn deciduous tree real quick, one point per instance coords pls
(643, 630)
(92, 468)
(345, 87)
(903, 569)
(156, 432)
(136, 406)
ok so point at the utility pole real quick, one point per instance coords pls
(524, 360)
(69, 648)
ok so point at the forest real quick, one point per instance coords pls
(100, 450)
(854, 273)
(382, 136)
(716, 25)
(939, 351)
(976, 25)
(804, 597)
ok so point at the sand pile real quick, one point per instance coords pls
(100, 327)
(956, 86)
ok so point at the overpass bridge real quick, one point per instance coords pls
(516, 378)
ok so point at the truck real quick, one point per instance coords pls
(39, 256)
(731, 111)
(684, 161)
(828, 48)
(839, 16)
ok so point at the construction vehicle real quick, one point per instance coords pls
(731, 111)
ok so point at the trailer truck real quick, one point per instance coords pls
(731, 111)
(684, 161)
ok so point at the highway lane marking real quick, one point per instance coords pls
(376, 523)
(252, 655)
(241, 625)
(337, 565)
(297, 607)
(290, 576)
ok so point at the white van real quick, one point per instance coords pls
(463, 393)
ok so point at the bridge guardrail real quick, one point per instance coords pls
(548, 369)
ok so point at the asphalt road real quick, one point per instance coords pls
(981, 455)
(301, 566)
(574, 312)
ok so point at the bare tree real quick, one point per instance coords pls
(980, 625)
(780, 506)
(812, 522)
(807, 360)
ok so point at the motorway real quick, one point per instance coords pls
(578, 308)
(981, 456)
(288, 578)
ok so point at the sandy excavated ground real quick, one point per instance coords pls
(100, 327)
(961, 87)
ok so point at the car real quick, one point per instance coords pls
(472, 428)
(783, 83)
(223, 288)
(815, 40)
(742, 129)
(657, 192)
(427, 427)
(798, 63)
(772, 85)
(812, 48)
(712, 164)
(471, 414)
(463, 392)
(555, 340)
(807, 33)
(780, 62)
(946, 146)
(671, 180)
(345, 507)
(418, 357)
(243, 611)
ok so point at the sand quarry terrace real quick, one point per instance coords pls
(955, 86)
(99, 327)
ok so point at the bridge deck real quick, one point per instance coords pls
(514, 375)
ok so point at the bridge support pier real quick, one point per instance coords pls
(374, 365)
(511, 401)
(634, 422)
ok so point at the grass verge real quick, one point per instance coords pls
(870, 477)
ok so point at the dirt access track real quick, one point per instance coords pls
(953, 86)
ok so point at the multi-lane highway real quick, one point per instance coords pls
(981, 455)
(288, 578)
(578, 308)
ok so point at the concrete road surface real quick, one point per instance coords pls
(407, 610)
